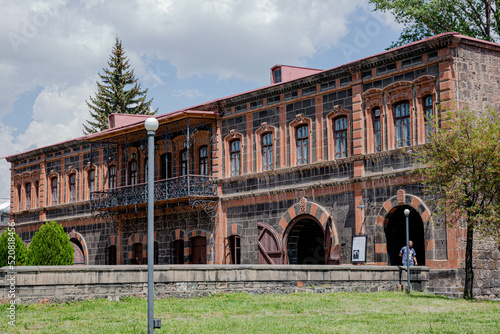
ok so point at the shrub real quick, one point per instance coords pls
(7, 255)
(50, 246)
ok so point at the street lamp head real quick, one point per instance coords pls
(407, 212)
(151, 124)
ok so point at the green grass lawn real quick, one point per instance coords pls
(391, 312)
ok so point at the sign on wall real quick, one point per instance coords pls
(358, 249)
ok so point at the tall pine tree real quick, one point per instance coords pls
(113, 96)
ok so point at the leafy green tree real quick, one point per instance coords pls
(425, 18)
(12, 249)
(119, 92)
(50, 246)
(461, 168)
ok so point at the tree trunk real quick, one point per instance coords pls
(469, 273)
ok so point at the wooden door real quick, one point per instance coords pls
(199, 250)
(270, 250)
(332, 253)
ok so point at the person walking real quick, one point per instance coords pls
(413, 254)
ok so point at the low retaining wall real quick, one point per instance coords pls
(61, 283)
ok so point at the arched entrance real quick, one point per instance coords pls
(306, 243)
(78, 258)
(395, 232)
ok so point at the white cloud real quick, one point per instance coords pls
(188, 93)
(58, 47)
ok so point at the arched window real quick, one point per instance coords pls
(53, 190)
(28, 196)
(377, 135)
(203, 160)
(91, 180)
(178, 252)
(235, 157)
(112, 177)
(267, 151)
(402, 124)
(428, 115)
(302, 144)
(72, 188)
(132, 167)
(234, 246)
(340, 135)
(184, 162)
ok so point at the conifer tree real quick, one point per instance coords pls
(118, 92)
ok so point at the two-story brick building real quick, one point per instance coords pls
(287, 173)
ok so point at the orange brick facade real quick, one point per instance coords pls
(298, 168)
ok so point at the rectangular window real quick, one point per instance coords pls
(240, 108)
(28, 196)
(376, 130)
(53, 190)
(91, 180)
(267, 151)
(290, 96)
(428, 114)
(132, 172)
(112, 177)
(327, 85)
(340, 135)
(302, 145)
(277, 76)
(345, 81)
(184, 162)
(402, 124)
(308, 91)
(273, 100)
(256, 104)
(166, 160)
(204, 160)
(72, 188)
(235, 157)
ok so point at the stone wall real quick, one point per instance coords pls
(59, 283)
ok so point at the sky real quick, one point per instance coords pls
(185, 52)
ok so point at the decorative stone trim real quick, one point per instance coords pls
(187, 244)
(75, 235)
(234, 229)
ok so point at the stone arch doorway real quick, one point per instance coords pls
(304, 241)
(395, 233)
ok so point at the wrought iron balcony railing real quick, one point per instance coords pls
(178, 187)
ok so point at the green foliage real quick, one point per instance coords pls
(340, 312)
(461, 168)
(425, 18)
(113, 95)
(12, 255)
(50, 246)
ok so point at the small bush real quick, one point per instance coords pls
(50, 247)
(18, 257)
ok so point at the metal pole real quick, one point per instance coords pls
(151, 129)
(407, 213)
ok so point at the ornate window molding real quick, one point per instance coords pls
(337, 112)
(299, 121)
(232, 136)
(265, 129)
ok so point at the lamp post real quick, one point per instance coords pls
(407, 213)
(151, 125)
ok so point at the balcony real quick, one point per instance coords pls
(178, 188)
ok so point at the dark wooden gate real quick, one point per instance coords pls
(199, 250)
(270, 250)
